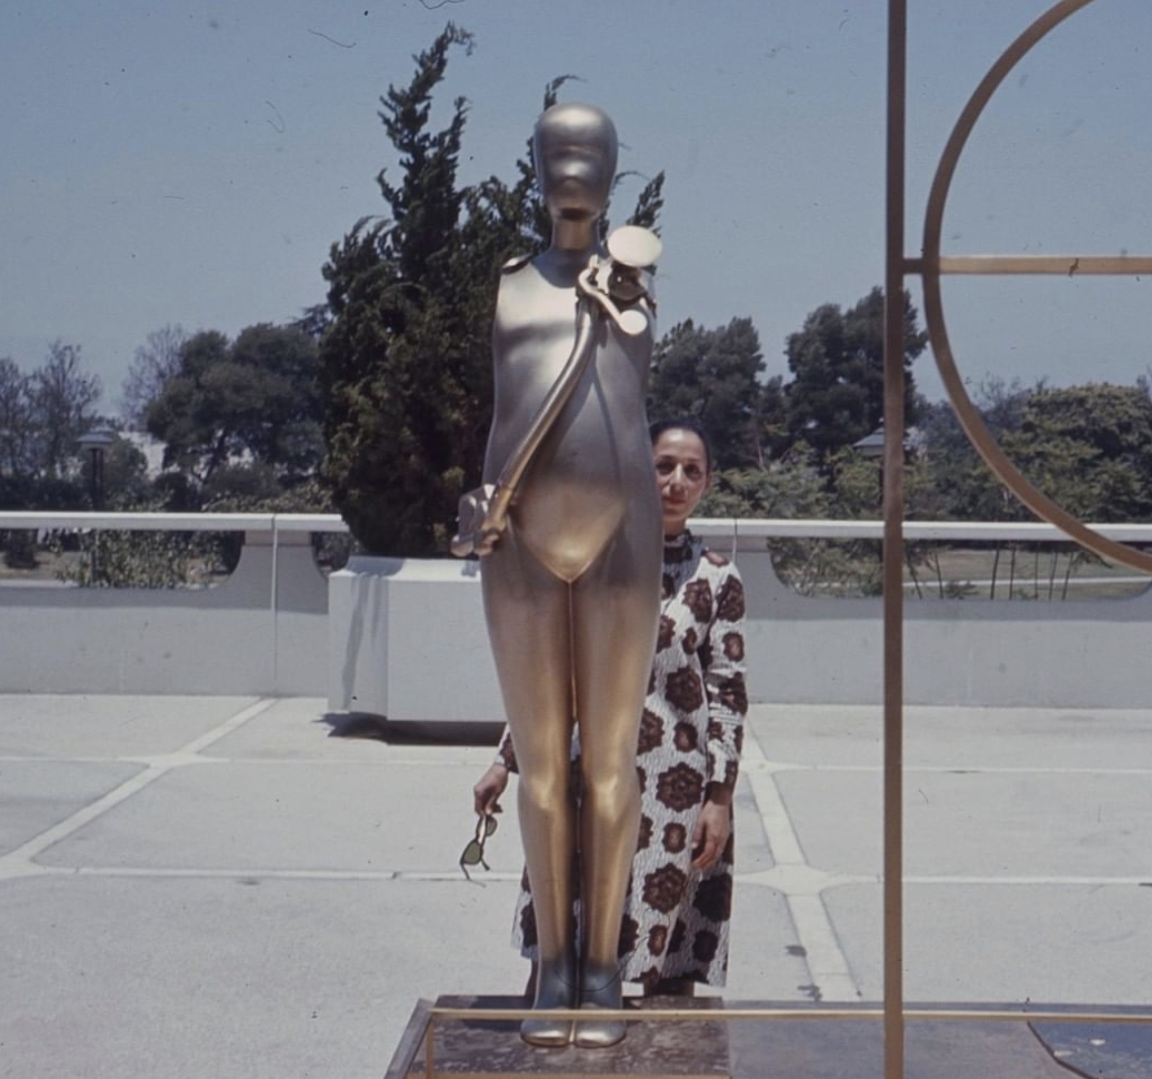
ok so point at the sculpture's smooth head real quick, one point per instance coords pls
(575, 151)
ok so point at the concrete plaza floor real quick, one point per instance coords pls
(235, 887)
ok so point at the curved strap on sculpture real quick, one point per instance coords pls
(558, 395)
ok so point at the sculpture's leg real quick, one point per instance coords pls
(529, 624)
(615, 614)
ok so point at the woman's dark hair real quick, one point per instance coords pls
(685, 423)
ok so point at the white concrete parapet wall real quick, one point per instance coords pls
(263, 630)
(1073, 654)
(406, 638)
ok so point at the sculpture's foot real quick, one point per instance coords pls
(555, 988)
(600, 989)
(549, 1033)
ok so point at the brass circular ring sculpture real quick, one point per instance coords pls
(933, 266)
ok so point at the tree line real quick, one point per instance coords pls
(376, 401)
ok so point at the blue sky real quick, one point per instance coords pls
(192, 163)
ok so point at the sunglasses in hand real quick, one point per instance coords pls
(473, 854)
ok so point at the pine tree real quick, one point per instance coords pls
(712, 375)
(405, 358)
(403, 365)
(837, 362)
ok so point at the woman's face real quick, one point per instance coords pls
(682, 476)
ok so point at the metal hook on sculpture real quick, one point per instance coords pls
(632, 249)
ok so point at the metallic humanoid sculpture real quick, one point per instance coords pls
(570, 528)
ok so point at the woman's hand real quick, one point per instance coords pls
(713, 827)
(486, 793)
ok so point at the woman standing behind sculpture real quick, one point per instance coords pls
(675, 930)
(572, 581)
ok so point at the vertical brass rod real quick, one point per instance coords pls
(894, 545)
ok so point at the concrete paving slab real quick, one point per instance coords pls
(753, 854)
(847, 735)
(979, 824)
(850, 735)
(1029, 738)
(379, 818)
(35, 795)
(185, 978)
(375, 818)
(301, 728)
(766, 959)
(269, 865)
(114, 726)
(1009, 943)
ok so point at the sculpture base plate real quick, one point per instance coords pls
(852, 1049)
(795, 1048)
(946, 1049)
(492, 1049)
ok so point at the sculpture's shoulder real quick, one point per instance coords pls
(516, 262)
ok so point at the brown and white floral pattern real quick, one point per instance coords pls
(677, 918)
(680, 788)
(651, 732)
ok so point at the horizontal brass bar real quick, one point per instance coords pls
(703, 1015)
(1056, 265)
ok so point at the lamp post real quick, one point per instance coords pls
(871, 448)
(96, 442)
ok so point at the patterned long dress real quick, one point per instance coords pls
(676, 918)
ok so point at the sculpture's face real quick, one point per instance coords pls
(683, 476)
(575, 152)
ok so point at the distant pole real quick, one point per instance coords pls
(96, 442)
(96, 478)
(893, 505)
(871, 448)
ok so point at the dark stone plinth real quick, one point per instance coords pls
(792, 1048)
(1100, 1052)
(487, 1049)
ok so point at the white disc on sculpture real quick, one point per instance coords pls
(633, 322)
(632, 245)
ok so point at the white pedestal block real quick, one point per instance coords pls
(408, 641)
